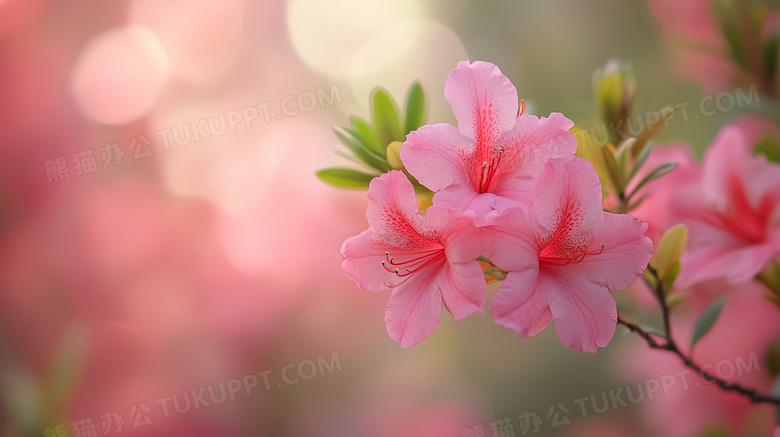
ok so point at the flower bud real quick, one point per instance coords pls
(669, 250)
(614, 88)
(394, 155)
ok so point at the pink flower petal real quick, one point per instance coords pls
(510, 239)
(625, 254)
(584, 313)
(463, 198)
(465, 290)
(363, 255)
(458, 233)
(568, 194)
(712, 253)
(424, 259)
(483, 100)
(517, 191)
(392, 211)
(532, 142)
(434, 155)
(722, 165)
(523, 302)
(414, 308)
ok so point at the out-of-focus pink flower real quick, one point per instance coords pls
(424, 259)
(562, 256)
(697, 45)
(735, 350)
(732, 216)
(491, 158)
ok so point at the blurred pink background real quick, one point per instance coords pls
(172, 257)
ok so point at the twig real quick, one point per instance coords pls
(670, 345)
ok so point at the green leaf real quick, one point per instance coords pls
(640, 160)
(770, 56)
(727, 18)
(345, 177)
(768, 148)
(345, 153)
(666, 113)
(655, 174)
(415, 108)
(363, 154)
(623, 150)
(635, 204)
(707, 320)
(386, 119)
(612, 169)
(671, 277)
(366, 134)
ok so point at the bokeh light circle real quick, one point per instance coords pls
(119, 74)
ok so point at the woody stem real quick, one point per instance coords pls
(670, 345)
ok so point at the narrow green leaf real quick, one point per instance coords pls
(655, 174)
(623, 150)
(366, 134)
(361, 153)
(771, 56)
(612, 169)
(347, 154)
(727, 19)
(415, 108)
(773, 299)
(345, 177)
(386, 120)
(641, 160)
(707, 320)
(666, 113)
(635, 204)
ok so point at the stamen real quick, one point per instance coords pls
(562, 260)
(492, 168)
(412, 266)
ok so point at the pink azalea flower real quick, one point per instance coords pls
(563, 255)
(491, 158)
(425, 260)
(733, 215)
(698, 47)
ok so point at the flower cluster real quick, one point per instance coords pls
(510, 194)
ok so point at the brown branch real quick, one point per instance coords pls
(670, 345)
